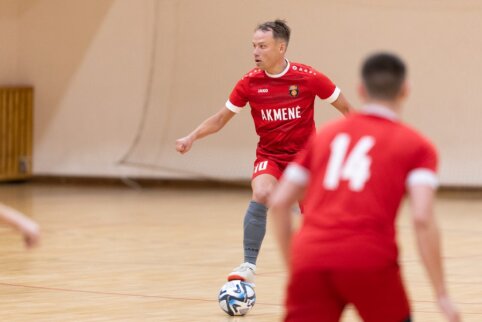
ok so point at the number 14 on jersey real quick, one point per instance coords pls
(354, 168)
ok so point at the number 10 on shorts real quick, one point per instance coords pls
(261, 166)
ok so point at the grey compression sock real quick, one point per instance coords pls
(254, 230)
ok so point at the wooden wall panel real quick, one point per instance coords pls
(16, 122)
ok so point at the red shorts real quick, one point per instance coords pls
(321, 295)
(263, 165)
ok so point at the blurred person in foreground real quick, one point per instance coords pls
(26, 226)
(352, 177)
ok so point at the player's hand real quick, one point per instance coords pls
(184, 144)
(449, 309)
(30, 231)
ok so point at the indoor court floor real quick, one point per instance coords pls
(113, 253)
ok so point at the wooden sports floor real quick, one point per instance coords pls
(112, 253)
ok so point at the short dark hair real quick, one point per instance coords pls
(279, 28)
(383, 75)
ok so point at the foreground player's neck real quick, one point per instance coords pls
(394, 105)
(278, 68)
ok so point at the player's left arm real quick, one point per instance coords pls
(330, 93)
(422, 183)
(428, 244)
(342, 105)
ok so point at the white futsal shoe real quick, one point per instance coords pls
(244, 272)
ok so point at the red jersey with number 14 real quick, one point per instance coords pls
(282, 107)
(356, 172)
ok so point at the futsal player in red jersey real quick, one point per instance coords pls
(352, 176)
(281, 95)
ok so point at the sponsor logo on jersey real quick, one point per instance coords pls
(281, 114)
(262, 90)
(294, 90)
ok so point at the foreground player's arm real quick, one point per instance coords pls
(27, 227)
(342, 105)
(428, 242)
(285, 195)
(211, 125)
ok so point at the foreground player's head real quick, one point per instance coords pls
(270, 41)
(383, 78)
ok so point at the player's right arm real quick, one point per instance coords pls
(289, 190)
(286, 193)
(428, 243)
(209, 126)
(27, 227)
(237, 100)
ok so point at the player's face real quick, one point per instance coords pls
(267, 51)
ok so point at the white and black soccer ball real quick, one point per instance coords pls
(236, 297)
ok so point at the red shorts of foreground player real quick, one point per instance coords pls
(320, 296)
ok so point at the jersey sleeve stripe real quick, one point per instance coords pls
(421, 176)
(297, 174)
(333, 97)
(233, 108)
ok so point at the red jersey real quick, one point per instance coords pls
(356, 171)
(282, 107)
